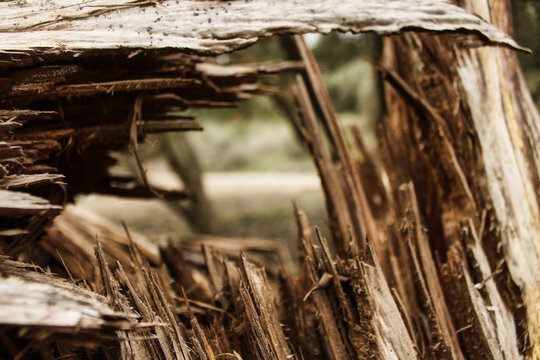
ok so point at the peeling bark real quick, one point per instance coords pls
(218, 26)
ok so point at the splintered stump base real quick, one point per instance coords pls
(434, 248)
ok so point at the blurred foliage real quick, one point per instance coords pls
(352, 82)
(353, 88)
(526, 15)
(266, 49)
(256, 136)
(255, 145)
(344, 61)
(260, 107)
(336, 49)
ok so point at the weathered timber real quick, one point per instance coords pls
(437, 250)
(18, 203)
(472, 126)
(217, 26)
(31, 298)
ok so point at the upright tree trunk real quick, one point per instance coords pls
(462, 126)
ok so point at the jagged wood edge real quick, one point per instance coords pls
(214, 27)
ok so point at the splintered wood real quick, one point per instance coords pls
(218, 26)
(44, 303)
(424, 256)
(88, 108)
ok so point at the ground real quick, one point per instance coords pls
(254, 200)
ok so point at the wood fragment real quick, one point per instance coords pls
(416, 274)
(72, 25)
(38, 300)
(17, 203)
(22, 181)
(443, 341)
(72, 236)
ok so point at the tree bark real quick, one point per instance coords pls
(465, 130)
(217, 26)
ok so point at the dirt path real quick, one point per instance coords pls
(245, 204)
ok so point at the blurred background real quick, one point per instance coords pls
(247, 167)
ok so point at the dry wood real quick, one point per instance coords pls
(508, 131)
(241, 70)
(217, 26)
(362, 219)
(489, 120)
(392, 337)
(419, 272)
(443, 342)
(71, 239)
(22, 181)
(364, 325)
(17, 203)
(490, 331)
(439, 338)
(335, 194)
(31, 298)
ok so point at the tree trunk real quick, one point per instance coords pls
(436, 251)
(462, 126)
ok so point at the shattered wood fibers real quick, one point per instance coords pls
(420, 273)
(217, 26)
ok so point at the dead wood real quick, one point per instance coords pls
(88, 109)
(218, 26)
(436, 251)
(35, 300)
(451, 108)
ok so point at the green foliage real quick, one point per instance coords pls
(352, 88)
(527, 33)
(351, 80)
(241, 144)
(335, 49)
(264, 50)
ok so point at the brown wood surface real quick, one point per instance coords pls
(443, 265)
